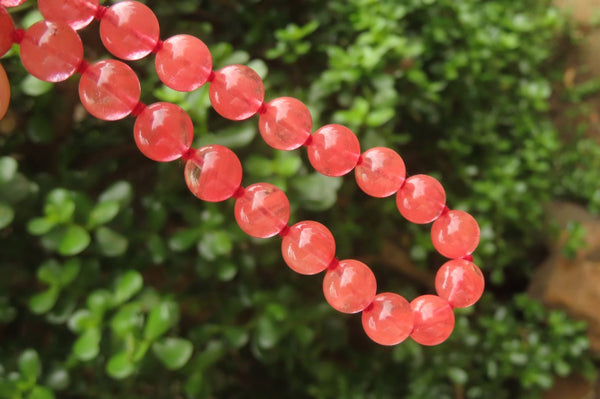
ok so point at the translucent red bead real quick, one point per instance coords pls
(236, 92)
(286, 123)
(76, 13)
(109, 90)
(213, 173)
(308, 247)
(333, 150)
(11, 3)
(422, 199)
(262, 211)
(455, 234)
(163, 132)
(349, 286)
(183, 63)
(4, 92)
(380, 173)
(51, 51)
(460, 282)
(433, 320)
(129, 30)
(388, 320)
(6, 31)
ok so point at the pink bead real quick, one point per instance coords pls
(350, 286)
(308, 247)
(286, 124)
(433, 320)
(388, 320)
(76, 13)
(109, 90)
(4, 92)
(380, 173)
(334, 150)
(50, 51)
(6, 31)
(129, 30)
(184, 63)
(11, 3)
(262, 211)
(455, 234)
(163, 132)
(214, 173)
(460, 282)
(236, 92)
(422, 199)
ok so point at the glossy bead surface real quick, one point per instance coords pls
(184, 63)
(4, 92)
(214, 173)
(163, 132)
(109, 90)
(6, 31)
(380, 173)
(11, 3)
(460, 282)
(50, 51)
(350, 286)
(334, 150)
(129, 30)
(455, 234)
(262, 211)
(433, 320)
(308, 247)
(388, 320)
(421, 200)
(286, 124)
(236, 92)
(76, 13)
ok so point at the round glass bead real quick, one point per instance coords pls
(455, 234)
(163, 132)
(334, 150)
(184, 63)
(262, 211)
(129, 30)
(11, 3)
(214, 173)
(76, 13)
(6, 31)
(286, 124)
(421, 200)
(109, 90)
(460, 282)
(236, 92)
(308, 247)
(51, 51)
(380, 173)
(388, 320)
(4, 92)
(433, 320)
(349, 286)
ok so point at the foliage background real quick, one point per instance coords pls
(114, 280)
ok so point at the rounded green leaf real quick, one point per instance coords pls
(40, 392)
(8, 169)
(39, 226)
(184, 239)
(69, 271)
(110, 242)
(6, 215)
(44, 301)
(127, 286)
(161, 318)
(58, 379)
(99, 301)
(50, 272)
(87, 345)
(174, 353)
(29, 364)
(81, 320)
(121, 192)
(59, 206)
(120, 365)
(126, 319)
(74, 240)
(103, 213)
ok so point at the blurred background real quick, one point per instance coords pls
(115, 281)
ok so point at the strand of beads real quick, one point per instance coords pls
(110, 90)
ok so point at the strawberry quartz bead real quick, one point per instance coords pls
(333, 150)
(286, 124)
(262, 211)
(460, 282)
(109, 90)
(4, 92)
(455, 234)
(184, 63)
(433, 320)
(11, 3)
(76, 13)
(129, 30)
(163, 132)
(51, 51)
(349, 286)
(236, 92)
(308, 247)
(388, 320)
(380, 173)
(6, 31)
(213, 173)
(421, 200)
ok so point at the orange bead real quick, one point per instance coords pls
(380, 173)
(349, 286)
(236, 92)
(388, 320)
(334, 150)
(6, 31)
(421, 200)
(455, 234)
(4, 92)
(434, 320)
(262, 211)
(308, 247)
(460, 282)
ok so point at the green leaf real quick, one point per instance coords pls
(40, 392)
(50, 272)
(126, 319)
(103, 213)
(110, 242)
(30, 365)
(184, 239)
(87, 346)
(121, 192)
(161, 318)
(8, 169)
(40, 128)
(174, 353)
(227, 271)
(267, 334)
(120, 365)
(6, 215)
(39, 226)
(214, 244)
(59, 206)
(127, 286)
(69, 271)
(99, 302)
(234, 137)
(317, 192)
(34, 87)
(44, 301)
(237, 336)
(81, 320)
(74, 240)
(58, 379)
